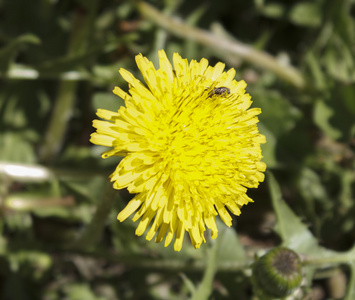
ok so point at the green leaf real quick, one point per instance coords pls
(191, 47)
(339, 60)
(106, 75)
(231, 248)
(7, 54)
(16, 147)
(319, 77)
(311, 187)
(108, 101)
(322, 116)
(273, 10)
(295, 235)
(3, 245)
(82, 213)
(91, 188)
(306, 14)
(34, 262)
(278, 115)
(204, 290)
(269, 148)
(314, 194)
(348, 95)
(188, 283)
(77, 60)
(80, 291)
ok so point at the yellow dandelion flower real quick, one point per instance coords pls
(191, 147)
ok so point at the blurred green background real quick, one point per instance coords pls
(58, 63)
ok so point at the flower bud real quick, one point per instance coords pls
(278, 273)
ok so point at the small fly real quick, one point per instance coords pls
(219, 91)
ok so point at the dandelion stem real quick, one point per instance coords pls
(335, 259)
(93, 231)
(53, 140)
(204, 290)
(221, 43)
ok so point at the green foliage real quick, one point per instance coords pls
(7, 53)
(59, 61)
(306, 14)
